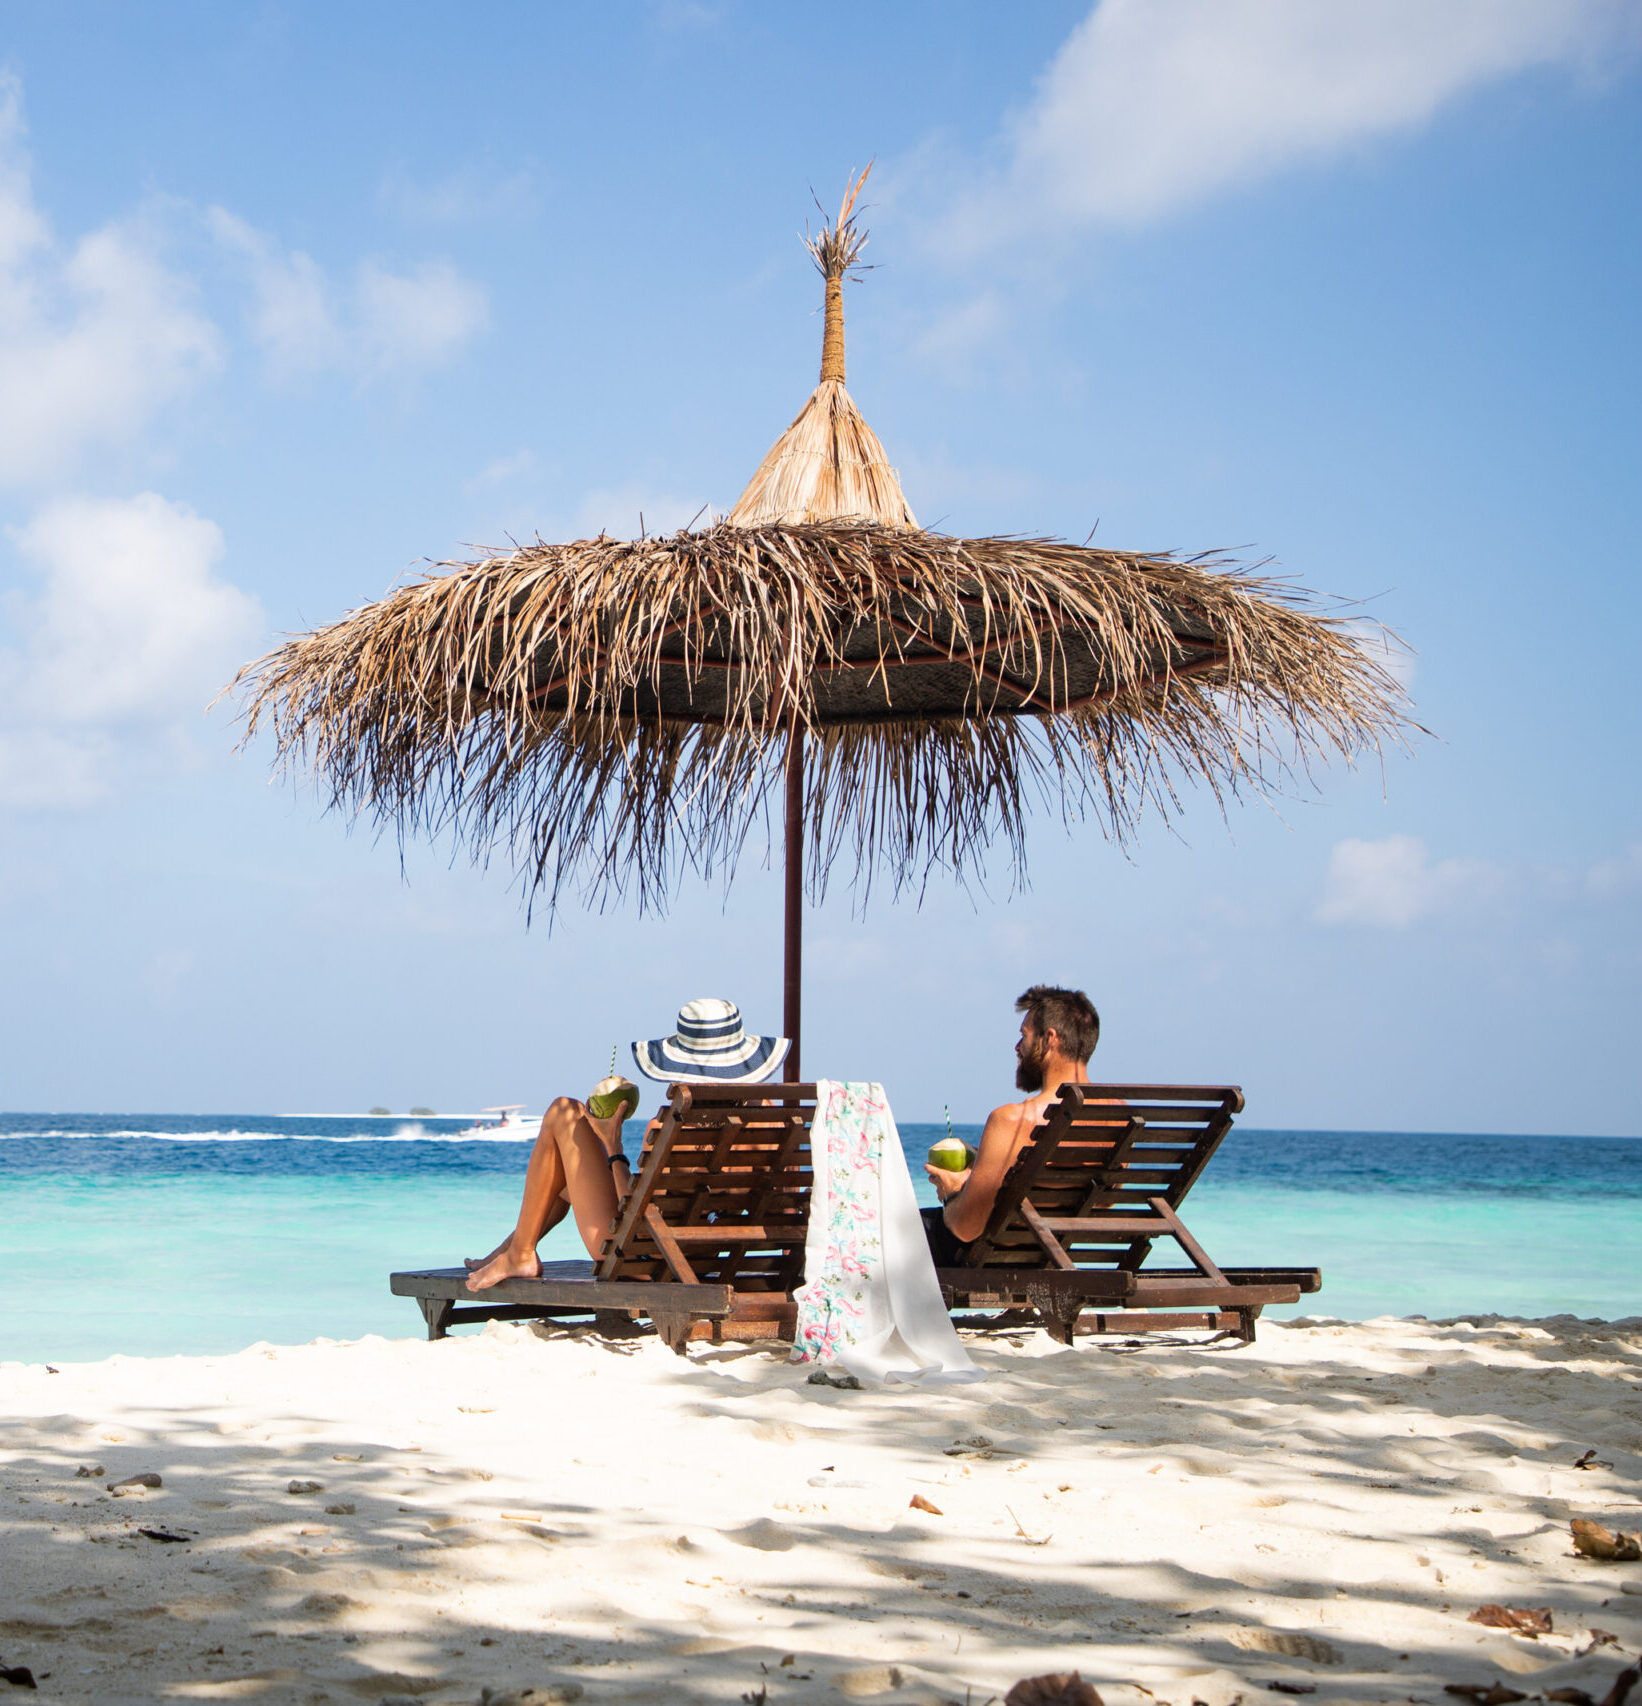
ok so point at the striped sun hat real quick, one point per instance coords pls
(710, 1046)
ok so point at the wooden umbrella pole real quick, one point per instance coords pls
(793, 959)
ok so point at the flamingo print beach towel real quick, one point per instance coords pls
(870, 1301)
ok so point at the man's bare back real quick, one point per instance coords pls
(1044, 1062)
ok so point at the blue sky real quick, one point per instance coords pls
(292, 298)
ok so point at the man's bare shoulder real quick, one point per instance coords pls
(1018, 1118)
(1014, 1119)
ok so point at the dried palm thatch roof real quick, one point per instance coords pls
(614, 713)
(617, 711)
(828, 465)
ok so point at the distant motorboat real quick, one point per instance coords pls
(510, 1125)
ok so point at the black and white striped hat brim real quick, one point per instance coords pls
(710, 1046)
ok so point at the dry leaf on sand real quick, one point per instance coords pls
(1520, 1619)
(1484, 1694)
(919, 1503)
(1592, 1540)
(1622, 1685)
(1054, 1690)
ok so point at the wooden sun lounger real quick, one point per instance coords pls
(1077, 1214)
(707, 1242)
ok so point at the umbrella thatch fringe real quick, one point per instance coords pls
(515, 700)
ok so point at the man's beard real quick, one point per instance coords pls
(1029, 1070)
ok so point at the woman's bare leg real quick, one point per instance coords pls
(543, 1205)
(555, 1214)
(584, 1154)
(557, 1210)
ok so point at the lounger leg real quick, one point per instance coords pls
(436, 1311)
(1245, 1324)
(1060, 1320)
(673, 1330)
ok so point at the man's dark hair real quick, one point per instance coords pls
(1069, 1013)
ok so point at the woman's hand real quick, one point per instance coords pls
(947, 1183)
(609, 1128)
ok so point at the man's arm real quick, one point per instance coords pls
(967, 1197)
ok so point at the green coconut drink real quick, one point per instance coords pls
(612, 1096)
(951, 1155)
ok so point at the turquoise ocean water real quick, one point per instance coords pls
(164, 1234)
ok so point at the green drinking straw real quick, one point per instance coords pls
(948, 1122)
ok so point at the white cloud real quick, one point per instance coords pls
(467, 195)
(1151, 105)
(1393, 883)
(515, 492)
(130, 634)
(43, 770)
(167, 971)
(417, 318)
(94, 339)
(622, 510)
(1385, 649)
(291, 314)
(1609, 878)
(503, 471)
(386, 322)
(952, 336)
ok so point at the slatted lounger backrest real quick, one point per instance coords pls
(723, 1190)
(1103, 1158)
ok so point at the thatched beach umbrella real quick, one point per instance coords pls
(616, 712)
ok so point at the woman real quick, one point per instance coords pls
(578, 1165)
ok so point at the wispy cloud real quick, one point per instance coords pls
(469, 195)
(95, 337)
(385, 321)
(1609, 878)
(42, 769)
(1387, 651)
(1394, 882)
(127, 633)
(623, 510)
(505, 470)
(419, 317)
(1153, 105)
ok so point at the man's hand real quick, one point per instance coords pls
(947, 1183)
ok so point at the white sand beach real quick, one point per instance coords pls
(530, 1509)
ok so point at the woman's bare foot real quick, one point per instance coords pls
(472, 1262)
(506, 1264)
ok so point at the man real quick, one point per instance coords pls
(1059, 1031)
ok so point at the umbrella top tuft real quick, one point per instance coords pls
(828, 465)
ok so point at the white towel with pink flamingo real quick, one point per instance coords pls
(870, 1302)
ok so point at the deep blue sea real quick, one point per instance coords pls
(159, 1234)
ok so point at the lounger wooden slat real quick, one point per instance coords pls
(564, 1290)
(1088, 1197)
(708, 1240)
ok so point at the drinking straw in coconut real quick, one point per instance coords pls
(612, 1093)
